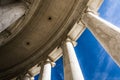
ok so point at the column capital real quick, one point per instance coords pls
(68, 40)
(90, 10)
(24, 77)
(74, 43)
(49, 61)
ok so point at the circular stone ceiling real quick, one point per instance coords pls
(31, 38)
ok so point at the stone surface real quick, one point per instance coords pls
(76, 31)
(45, 73)
(72, 70)
(95, 4)
(47, 26)
(9, 14)
(106, 33)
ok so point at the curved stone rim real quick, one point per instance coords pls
(70, 21)
(17, 26)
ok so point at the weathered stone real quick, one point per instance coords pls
(106, 33)
(72, 70)
(9, 14)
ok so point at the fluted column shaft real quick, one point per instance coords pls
(72, 70)
(45, 73)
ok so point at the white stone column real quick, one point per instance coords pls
(106, 33)
(45, 73)
(24, 77)
(72, 70)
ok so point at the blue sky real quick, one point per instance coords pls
(110, 11)
(94, 61)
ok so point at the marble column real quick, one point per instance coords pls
(24, 77)
(72, 70)
(10, 13)
(106, 33)
(45, 73)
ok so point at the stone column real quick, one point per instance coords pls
(10, 13)
(72, 70)
(45, 73)
(106, 33)
(24, 77)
